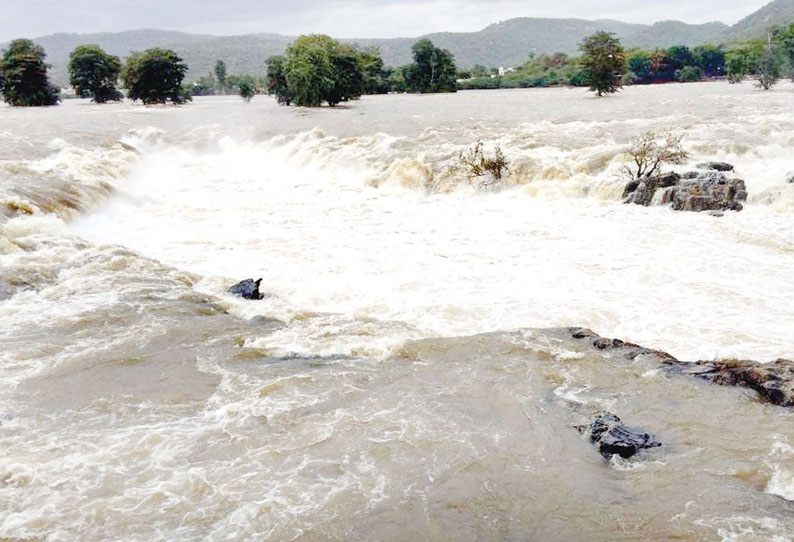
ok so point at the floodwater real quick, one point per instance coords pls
(408, 375)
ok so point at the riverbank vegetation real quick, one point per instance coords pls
(317, 69)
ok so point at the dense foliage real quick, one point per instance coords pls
(155, 76)
(433, 69)
(315, 70)
(94, 73)
(603, 62)
(23, 76)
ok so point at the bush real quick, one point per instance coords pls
(651, 151)
(155, 76)
(23, 76)
(688, 73)
(478, 164)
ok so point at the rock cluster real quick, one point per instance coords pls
(707, 190)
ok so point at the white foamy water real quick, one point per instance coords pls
(140, 401)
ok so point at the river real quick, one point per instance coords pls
(407, 375)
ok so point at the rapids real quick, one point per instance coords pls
(406, 377)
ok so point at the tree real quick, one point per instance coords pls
(768, 68)
(651, 151)
(710, 59)
(23, 76)
(155, 76)
(277, 79)
(220, 74)
(680, 56)
(736, 68)
(93, 73)
(433, 69)
(376, 77)
(603, 62)
(316, 69)
(641, 65)
(246, 89)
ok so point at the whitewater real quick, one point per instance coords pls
(405, 376)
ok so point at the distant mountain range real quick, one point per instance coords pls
(508, 43)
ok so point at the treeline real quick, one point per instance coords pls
(317, 70)
(314, 70)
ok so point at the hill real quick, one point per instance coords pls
(507, 43)
(777, 12)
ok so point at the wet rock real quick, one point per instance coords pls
(716, 166)
(612, 437)
(630, 351)
(247, 289)
(691, 191)
(774, 381)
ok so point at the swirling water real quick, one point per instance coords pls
(401, 380)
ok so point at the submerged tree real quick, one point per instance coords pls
(220, 74)
(768, 68)
(23, 76)
(277, 79)
(316, 69)
(155, 76)
(603, 62)
(433, 69)
(93, 73)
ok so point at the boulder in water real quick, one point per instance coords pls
(612, 437)
(247, 289)
(692, 191)
(716, 166)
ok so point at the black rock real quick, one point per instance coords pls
(716, 166)
(247, 289)
(612, 437)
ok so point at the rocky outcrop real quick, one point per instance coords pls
(693, 191)
(774, 382)
(612, 437)
(247, 289)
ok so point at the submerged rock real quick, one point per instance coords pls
(774, 382)
(247, 289)
(693, 191)
(716, 166)
(612, 437)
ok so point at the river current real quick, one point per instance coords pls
(407, 375)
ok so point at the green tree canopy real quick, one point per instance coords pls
(155, 76)
(277, 79)
(603, 62)
(23, 76)
(316, 69)
(93, 73)
(433, 69)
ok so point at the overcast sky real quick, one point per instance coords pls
(339, 18)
